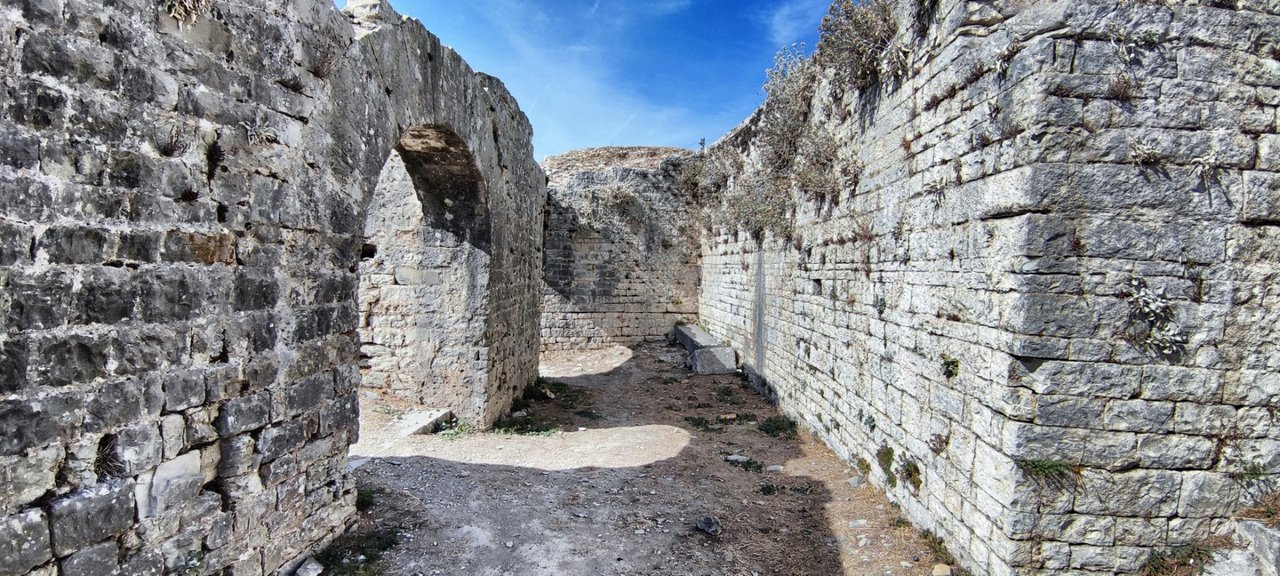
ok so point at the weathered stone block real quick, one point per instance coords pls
(36, 423)
(308, 393)
(279, 440)
(115, 403)
(244, 414)
(72, 245)
(183, 390)
(24, 542)
(95, 560)
(91, 515)
(26, 477)
(716, 360)
(139, 447)
(238, 456)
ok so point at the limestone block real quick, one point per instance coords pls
(714, 360)
(24, 542)
(91, 515)
(95, 560)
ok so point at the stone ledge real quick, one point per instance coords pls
(706, 354)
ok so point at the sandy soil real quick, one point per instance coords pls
(609, 471)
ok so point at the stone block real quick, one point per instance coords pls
(1261, 197)
(115, 403)
(74, 245)
(714, 360)
(26, 477)
(95, 560)
(174, 484)
(308, 393)
(24, 542)
(139, 447)
(277, 441)
(1133, 493)
(237, 456)
(39, 301)
(91, 515)
(36, 423)
(244, 414)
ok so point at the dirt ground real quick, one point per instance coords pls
(608, 469)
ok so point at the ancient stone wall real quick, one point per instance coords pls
(621, 263)
(1042, 313)
(423, 303)
(181, 229)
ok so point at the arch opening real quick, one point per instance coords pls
(424, 277)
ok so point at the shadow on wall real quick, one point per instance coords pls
(621, 260)
(424, 276)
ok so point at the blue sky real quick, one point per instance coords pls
(624, 72)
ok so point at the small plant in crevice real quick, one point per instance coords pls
(926, 11)
(884, 456)
(950, 366)
(1206, 169)
(1185, 560)
(259, 133)
(1053, 473)
(1267, 510)
(862, 465)
(1122, 88)
(1151, 323)
(910, 473)
(1143, 153)
(1005, 58)
(186, 12)
(938, 443)
(937, 547)
(172, 145)
(1249, 473)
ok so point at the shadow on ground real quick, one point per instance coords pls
(639, 462)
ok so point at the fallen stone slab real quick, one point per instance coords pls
(707, 355)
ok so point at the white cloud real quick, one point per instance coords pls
(793, 20)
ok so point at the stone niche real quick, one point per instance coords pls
(194, 247)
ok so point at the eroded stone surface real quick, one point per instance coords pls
(180, 244)
(621, 262)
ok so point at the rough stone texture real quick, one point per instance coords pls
(964, 309)
(181, 230)
(621, 263)
(706, 354)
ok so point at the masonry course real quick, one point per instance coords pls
(181, 233)
(965, 315)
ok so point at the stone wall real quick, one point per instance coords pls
(423, 304)
(180, 239)
(621, 263)
(987, 318)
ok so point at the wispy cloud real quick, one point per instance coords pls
(572, 63)
(792, 20)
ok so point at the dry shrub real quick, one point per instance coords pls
(855, 40)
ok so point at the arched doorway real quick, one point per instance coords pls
(424, 277)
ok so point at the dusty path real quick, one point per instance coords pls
(641, 460)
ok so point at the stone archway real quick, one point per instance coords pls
(424, 277)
